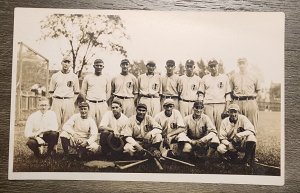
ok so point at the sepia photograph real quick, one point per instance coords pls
(166, 96)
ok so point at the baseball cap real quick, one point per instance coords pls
(125, 61)
(242, 60)
(234, 107)
(212, 63)
(198, 104)
(190, 62)
(117, 102)
(168, 102)
(67, 57)
(83, 104)
(141, 105)
(98, 61)
(170, 63)
(151, 63)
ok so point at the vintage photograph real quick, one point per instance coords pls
(169, 96)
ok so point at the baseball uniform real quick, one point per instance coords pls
(77, 128)
(149, 91)
(124, 88)
(189, 87)
(64, 89)
(109, 120)
(97, 90)
(170, 86)
(216, 93)
(244, 91)
(147, 129)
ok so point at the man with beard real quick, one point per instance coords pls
(80, 132)
(237, 134)
(142, 132)
(216, 93)
(170, 83)
(149, 89)
(190, 87)
(173, 128)
(96, 90)
(124, 88)
(201, 132)
(64, 88)
(112, 123)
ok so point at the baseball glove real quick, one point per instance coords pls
(115, 143)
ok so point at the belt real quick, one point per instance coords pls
(58, 97)
(149, 96)
(243, 98)
(189, 101)
(123, 97)
(170, 97)
(92, 101)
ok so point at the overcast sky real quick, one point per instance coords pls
(177, 35)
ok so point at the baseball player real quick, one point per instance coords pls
(190, 89)
(173, 127)
(96, 90)
(125, 88)
(245, 88)
(142, 131)
(80, 132)
(41, 128)
(237, 134)
(170, 83)
(64, 88)
(113, 121)
(201, 132)
(216, 93)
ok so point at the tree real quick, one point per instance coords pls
(221, 67)
(202, 68)
(85, 33)
(137, 68)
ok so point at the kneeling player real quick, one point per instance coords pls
(80, 132)
(142, 132)
(237, 134)
(201, 132)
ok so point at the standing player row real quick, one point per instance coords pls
(215, 90)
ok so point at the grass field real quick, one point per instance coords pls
(268, 152)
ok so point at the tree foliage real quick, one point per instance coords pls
(137, 68)
(84, 34)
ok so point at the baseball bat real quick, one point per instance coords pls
(132, 164)
(179, 161)
(158, 164)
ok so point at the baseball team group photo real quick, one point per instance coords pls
(147, 92)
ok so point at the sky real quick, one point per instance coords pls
(177, 35)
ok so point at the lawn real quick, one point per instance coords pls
(268, 152)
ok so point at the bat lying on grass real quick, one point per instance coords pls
(106, 164)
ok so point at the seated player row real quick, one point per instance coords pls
(139, 132)
(152, 89)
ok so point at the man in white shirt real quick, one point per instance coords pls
(41, 128)
(112, 123)
(80, 132)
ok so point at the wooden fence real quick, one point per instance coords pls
(27, 104)
(269, 106)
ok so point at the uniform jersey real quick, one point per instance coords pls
(228, 129)
(245, 84)
(170, 85)
(199, 128)
(40, 122)
(150, 84)
(137, 129)
(96, 87)
(216, 88)
(84, 128)
(189, 86)
(171, 123)
(109, 120)
(125, 86)
(64, 85)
